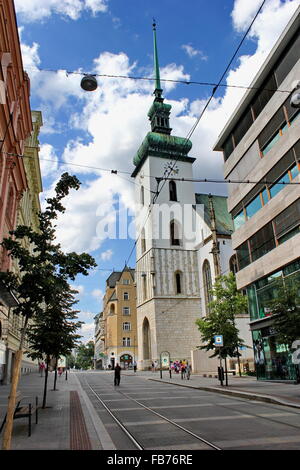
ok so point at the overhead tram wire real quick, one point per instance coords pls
(189, 180)
(182, 82)
(197, 122)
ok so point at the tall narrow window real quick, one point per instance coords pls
(174, 233)
(142, 195)
(207, 283)
(178, 282)
(144, 278)
(126, 296)
(173, 191)
(143, 241)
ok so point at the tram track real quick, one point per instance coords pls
(138, 445)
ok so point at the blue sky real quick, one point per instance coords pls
(104, 129)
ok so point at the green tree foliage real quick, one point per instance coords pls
(226, 304)
(285, 309)
(85, 355)
(44, 266)
(44, 269)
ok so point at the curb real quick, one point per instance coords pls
(235, 393)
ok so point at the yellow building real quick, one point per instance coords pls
(27, 215)
(119, 317)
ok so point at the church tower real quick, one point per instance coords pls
(168, 294)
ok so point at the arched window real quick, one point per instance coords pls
(207, 283)
(174, 233)
(143, 241)
(172, 191)
(112, 309)
(178, 282)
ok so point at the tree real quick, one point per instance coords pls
(226, 304)
(43, 267)
(84, 355)
(53, 333)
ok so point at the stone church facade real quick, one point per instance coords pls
(179, 233)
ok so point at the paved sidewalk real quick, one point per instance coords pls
(70, 423)
(65, 423)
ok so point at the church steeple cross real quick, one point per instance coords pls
(159, 112)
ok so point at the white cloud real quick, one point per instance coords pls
(79, 288)
(97, 293)
(106, 255)
(87, 331)
(192, 52)
(270, 22)
(37, 10)
(115, 118)
(48, 160)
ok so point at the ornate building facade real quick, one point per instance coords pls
(118, 323)
(15, 128)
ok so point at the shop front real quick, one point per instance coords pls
(126, 361)
(273, 360)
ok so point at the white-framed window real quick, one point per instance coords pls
(126, 296)
(126, 342)
(126, 326)
(126, 310)
(126, 282)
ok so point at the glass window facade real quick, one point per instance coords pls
(273, 360)
(282, 173)
(284, 65)
(282, 228)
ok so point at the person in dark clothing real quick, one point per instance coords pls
(117, 374)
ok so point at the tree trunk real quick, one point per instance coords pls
(239, 362)
(13, 391)
(55, 375)
(226, 374)
(46, 382)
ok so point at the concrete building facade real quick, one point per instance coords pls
(261, 144)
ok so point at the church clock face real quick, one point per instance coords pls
(171, 169)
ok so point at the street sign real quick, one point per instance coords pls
(218, 341)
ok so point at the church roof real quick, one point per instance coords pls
(224, 224)
(162, 144)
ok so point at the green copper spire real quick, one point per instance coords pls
(156, 64)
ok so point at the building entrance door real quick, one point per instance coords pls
(126, 361)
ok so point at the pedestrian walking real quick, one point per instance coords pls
(117, 374)
(182, 369)
(134, 366)
(41, 368)
(170, 369)
(60, 371)
(152, 365)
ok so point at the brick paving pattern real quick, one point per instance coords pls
(79, 437)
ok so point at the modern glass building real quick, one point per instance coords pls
(261, 144)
